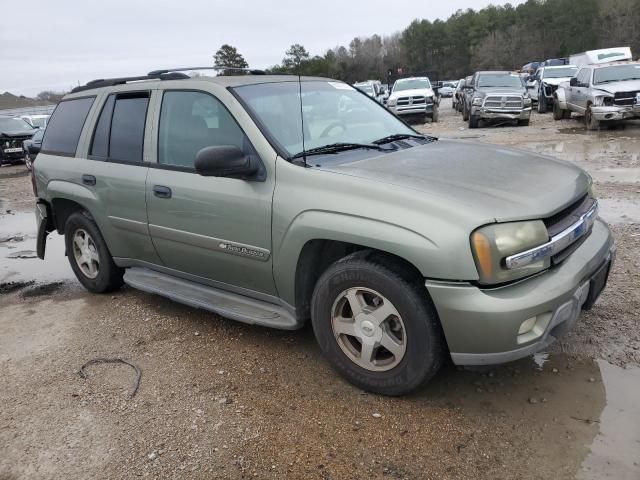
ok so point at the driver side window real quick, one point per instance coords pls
(191, 121)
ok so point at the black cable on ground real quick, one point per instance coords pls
(83, 374)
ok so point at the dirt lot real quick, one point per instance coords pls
(219, 399)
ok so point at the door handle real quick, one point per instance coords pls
(161, 191)
(88, 179)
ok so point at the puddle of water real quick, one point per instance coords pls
(619, 210)
(615, 452)
(595, 149)
(581, 416)
(17, 258)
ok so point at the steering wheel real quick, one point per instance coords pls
(331, 126)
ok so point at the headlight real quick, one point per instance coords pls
(477, 101)
(493, 243)
(527, 99)
(392, 102)
(603, 100)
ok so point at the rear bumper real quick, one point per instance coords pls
(482, 326)
(615, 112)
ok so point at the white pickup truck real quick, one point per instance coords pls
(414, 97)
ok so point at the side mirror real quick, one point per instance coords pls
(225, 161)
(573, 82)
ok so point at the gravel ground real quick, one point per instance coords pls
(220, 399)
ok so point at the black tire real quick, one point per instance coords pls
(435, 114)
(465, 113)
(558, 113)
(523, 123)
(109, 275)
(590, 122)
(424, 339)
(474, 120)
(542, 103)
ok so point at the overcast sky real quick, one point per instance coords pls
(54, 44)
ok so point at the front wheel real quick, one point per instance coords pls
(435, 114)
(474, 120)
(89, 256)
(523, 123)
(589, 120)
(542, 104)
(376, 326)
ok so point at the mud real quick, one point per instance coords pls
(220, 399)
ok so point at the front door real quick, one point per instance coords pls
(215, 228)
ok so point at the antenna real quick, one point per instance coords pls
(304, 150)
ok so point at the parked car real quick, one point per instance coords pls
(496, 95)
(447, 89)
(529, 69)
(373, 89)
(602, 93)
(546, 81)
(31, 147)
(36, 121)
(400, 249)
(13, 131)
(414, 97)
(456, 101)
(554, 62)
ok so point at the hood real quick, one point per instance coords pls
(613, 87)
(555, 81)
(485, 182)
(499, 91)
(427, 92)
(18, 133)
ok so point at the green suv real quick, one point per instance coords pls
(275, 200)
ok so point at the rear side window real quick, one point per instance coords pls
(65, 126)
(119, 133)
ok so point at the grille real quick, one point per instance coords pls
(503, 102)
(13, 142)
(625, 98)
(405, 101)
(564, 219)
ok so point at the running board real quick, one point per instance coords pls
(227, 304)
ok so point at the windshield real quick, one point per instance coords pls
(412, 84)
(333, 112)
(509, 80)
(616, 73)
(366, 88)
(13, 124)
(39, 121)
(560, 72)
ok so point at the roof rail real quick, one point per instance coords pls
(250, 71)
(109, 82)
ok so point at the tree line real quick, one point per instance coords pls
(495, 37)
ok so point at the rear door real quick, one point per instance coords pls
(116, 174)
(216, 229)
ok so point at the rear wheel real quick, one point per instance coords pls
(89, 256)
(589, 120)
(377, 327)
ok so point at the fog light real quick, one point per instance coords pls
(527, 325)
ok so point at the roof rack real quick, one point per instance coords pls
(109, 82)
(163, 74)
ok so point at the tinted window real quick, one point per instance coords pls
(100, 144)
(127, 127)
(65, 126)
(190, 121)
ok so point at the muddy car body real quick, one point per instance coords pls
(494, 95)
(399, 248)
(602, 93)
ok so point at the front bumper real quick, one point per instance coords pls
(481, 326)
(615, 112)
(412, 109)
(491, 113)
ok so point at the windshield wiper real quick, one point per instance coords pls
(336, 148)
(397, 136)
